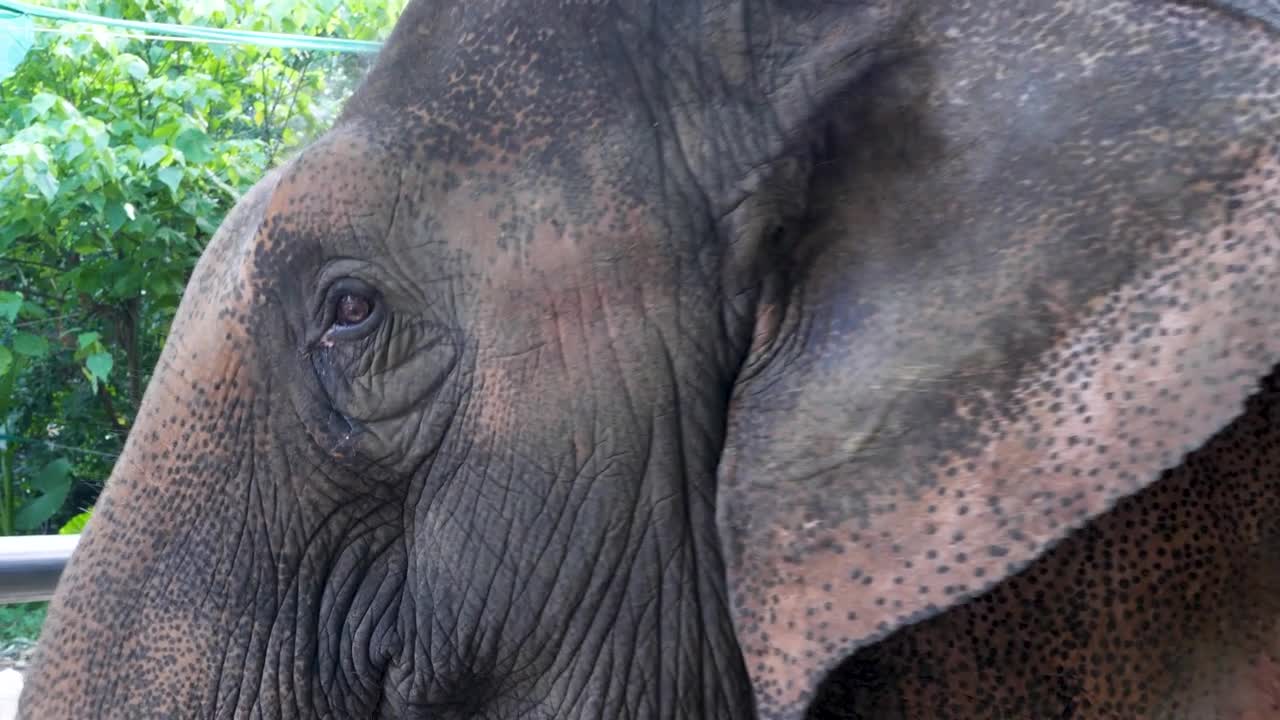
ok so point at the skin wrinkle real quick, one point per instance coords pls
(651, 119)
(920, 244)
(355, 579)
(227, 648)
(576, 651)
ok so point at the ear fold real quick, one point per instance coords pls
(776, 64)
(984, 348)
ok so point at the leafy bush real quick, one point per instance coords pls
(119, 157)
(21, 622)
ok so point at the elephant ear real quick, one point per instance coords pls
(1001, 318)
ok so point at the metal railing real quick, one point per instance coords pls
(30, 566)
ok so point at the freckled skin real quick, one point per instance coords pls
(1166, 607)
(722, 360)
(1041, 284)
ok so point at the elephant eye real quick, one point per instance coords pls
(354, 310)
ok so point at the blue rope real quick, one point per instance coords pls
(240, 37)
(58, 446)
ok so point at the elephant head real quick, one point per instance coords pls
(643, 359)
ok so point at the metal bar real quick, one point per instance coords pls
(30, 566)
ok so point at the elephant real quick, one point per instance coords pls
(765, 359)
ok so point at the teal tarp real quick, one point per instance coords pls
(16, 37)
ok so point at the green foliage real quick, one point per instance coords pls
(21, 621)
(53, 482)
(76, 524)
(118, 159)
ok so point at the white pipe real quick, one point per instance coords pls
(10, 689)
(30, 565)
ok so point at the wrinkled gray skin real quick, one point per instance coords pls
(653, 359)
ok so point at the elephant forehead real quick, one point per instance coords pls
(344, 184)
(482, 81)
(216, 310)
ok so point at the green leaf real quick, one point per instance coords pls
(33, 346)
(207, 226)
(41, 103)
(103, 37)
(194, 144)
(53, 475)
(154, 155)
(6, 360)
(135, 66)
(54, 482)
(122, 126)
(84, 340)
(71, 149)
(204, 8)
(115, 216)
(47, 185)
(97, 201)
(10, 303)
(97, 133)
(35, 311)
(76, 524)
(99, 366)
(127, 285)
(167, 130)
(171, 176)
